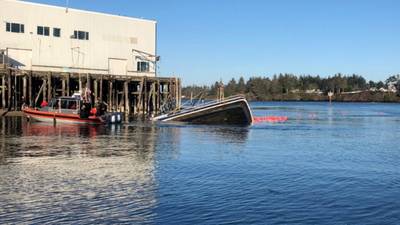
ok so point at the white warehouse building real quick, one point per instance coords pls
(40, 37)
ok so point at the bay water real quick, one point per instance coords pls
(328, 164)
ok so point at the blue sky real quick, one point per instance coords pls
(208, 40)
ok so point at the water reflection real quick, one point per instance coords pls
(225, 134)
(93, 174)
(64, 173)
(24, 139)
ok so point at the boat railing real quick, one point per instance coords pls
(209, 103)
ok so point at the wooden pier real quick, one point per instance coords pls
(133, 95)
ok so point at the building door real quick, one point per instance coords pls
(117, 66)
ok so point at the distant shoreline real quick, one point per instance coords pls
(289, 87)
(365, 96)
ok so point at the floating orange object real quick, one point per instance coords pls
(270, 119)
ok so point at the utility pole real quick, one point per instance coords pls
(66, 6)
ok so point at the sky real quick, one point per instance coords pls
(203, 41)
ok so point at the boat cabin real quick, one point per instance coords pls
(69, 105)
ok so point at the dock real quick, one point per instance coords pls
(133, 95)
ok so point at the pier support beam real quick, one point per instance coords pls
(95, 89)
(30, 88)
(68, 93)
(145, 108)
(3, 91)
(24, 89)
(140, 108)
(50, 87)
(110, 95)
(63, 87)
(153, 97)
(158, 97)
(88, 82)
(131, 95)
(45, 90)
(80, 83)
(101, 89)
(127, 105)
(9, 92)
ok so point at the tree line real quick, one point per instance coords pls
(292, 87)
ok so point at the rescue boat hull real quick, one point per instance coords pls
(43, 116)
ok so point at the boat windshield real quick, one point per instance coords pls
(53, 103)
(69, 103)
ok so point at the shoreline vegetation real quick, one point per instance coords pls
(289, 87)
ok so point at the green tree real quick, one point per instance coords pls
(241, 86)
(230, 88)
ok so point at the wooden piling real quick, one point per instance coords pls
(158, 97)
(126, 90)
(140, 107)
(110, 95)
(80, 83)
(149, 98)
(30, 85)
(24, 88)
(3, 91)
(101, 89)
(145, 107)
(50, 87)
(67, 84)
(9, 92)
(45, 90)
(95, 93)
(153, 97)
(88, 82)
(63, 86)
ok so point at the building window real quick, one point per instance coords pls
(43, 31)
(81, 35)
(15, 27)
(56, 32)
(143, 66)
(40, 30)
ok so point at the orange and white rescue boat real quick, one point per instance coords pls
(72, 110)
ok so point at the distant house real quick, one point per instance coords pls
(352, 92)
(392, 86)
(314, 91)
(383, 89)
(373, 89)
(392, 83)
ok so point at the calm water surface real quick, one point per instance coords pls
(336, 164)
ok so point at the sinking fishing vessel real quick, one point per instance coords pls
(71, 110)
(233, 110)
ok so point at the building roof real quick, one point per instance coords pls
(79, 10)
